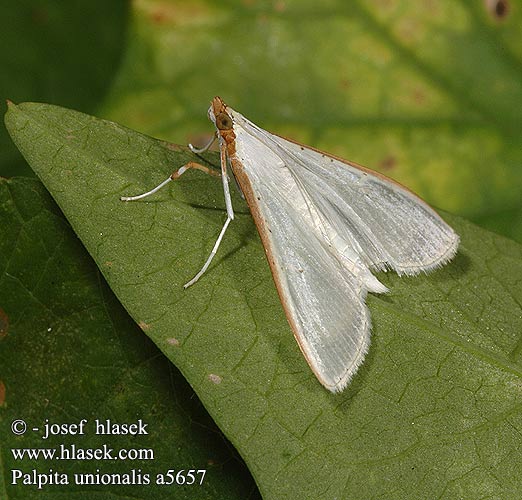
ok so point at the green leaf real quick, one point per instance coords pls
(61, 52)
(68, 351)
(435, 409)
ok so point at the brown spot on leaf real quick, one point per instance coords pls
(144, 326)
(345, 83)
(173, 13)
(215, 379)
(40, 16)
(2, 393)
(280, 6)
(418, 96)
(388, 163)
(498, 9)
(172, 146)
(4, 323)
(159, 16)
(173, 341)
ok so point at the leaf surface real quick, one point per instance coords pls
(60, 52)
(69, 352)
(435, 409)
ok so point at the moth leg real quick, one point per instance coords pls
(175, 175)
(204, 148)
(211, 256)
(230, 217)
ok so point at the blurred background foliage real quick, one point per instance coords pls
(427, 92)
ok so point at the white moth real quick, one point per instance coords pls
(325, 223)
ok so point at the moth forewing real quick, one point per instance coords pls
(379, 222)
(325, 225)
(321, 221)
(324, 308)
(323, 302)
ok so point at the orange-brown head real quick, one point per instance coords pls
(219, 114)
(222, 119)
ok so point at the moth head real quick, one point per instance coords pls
(219, 115)
(223, 121)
